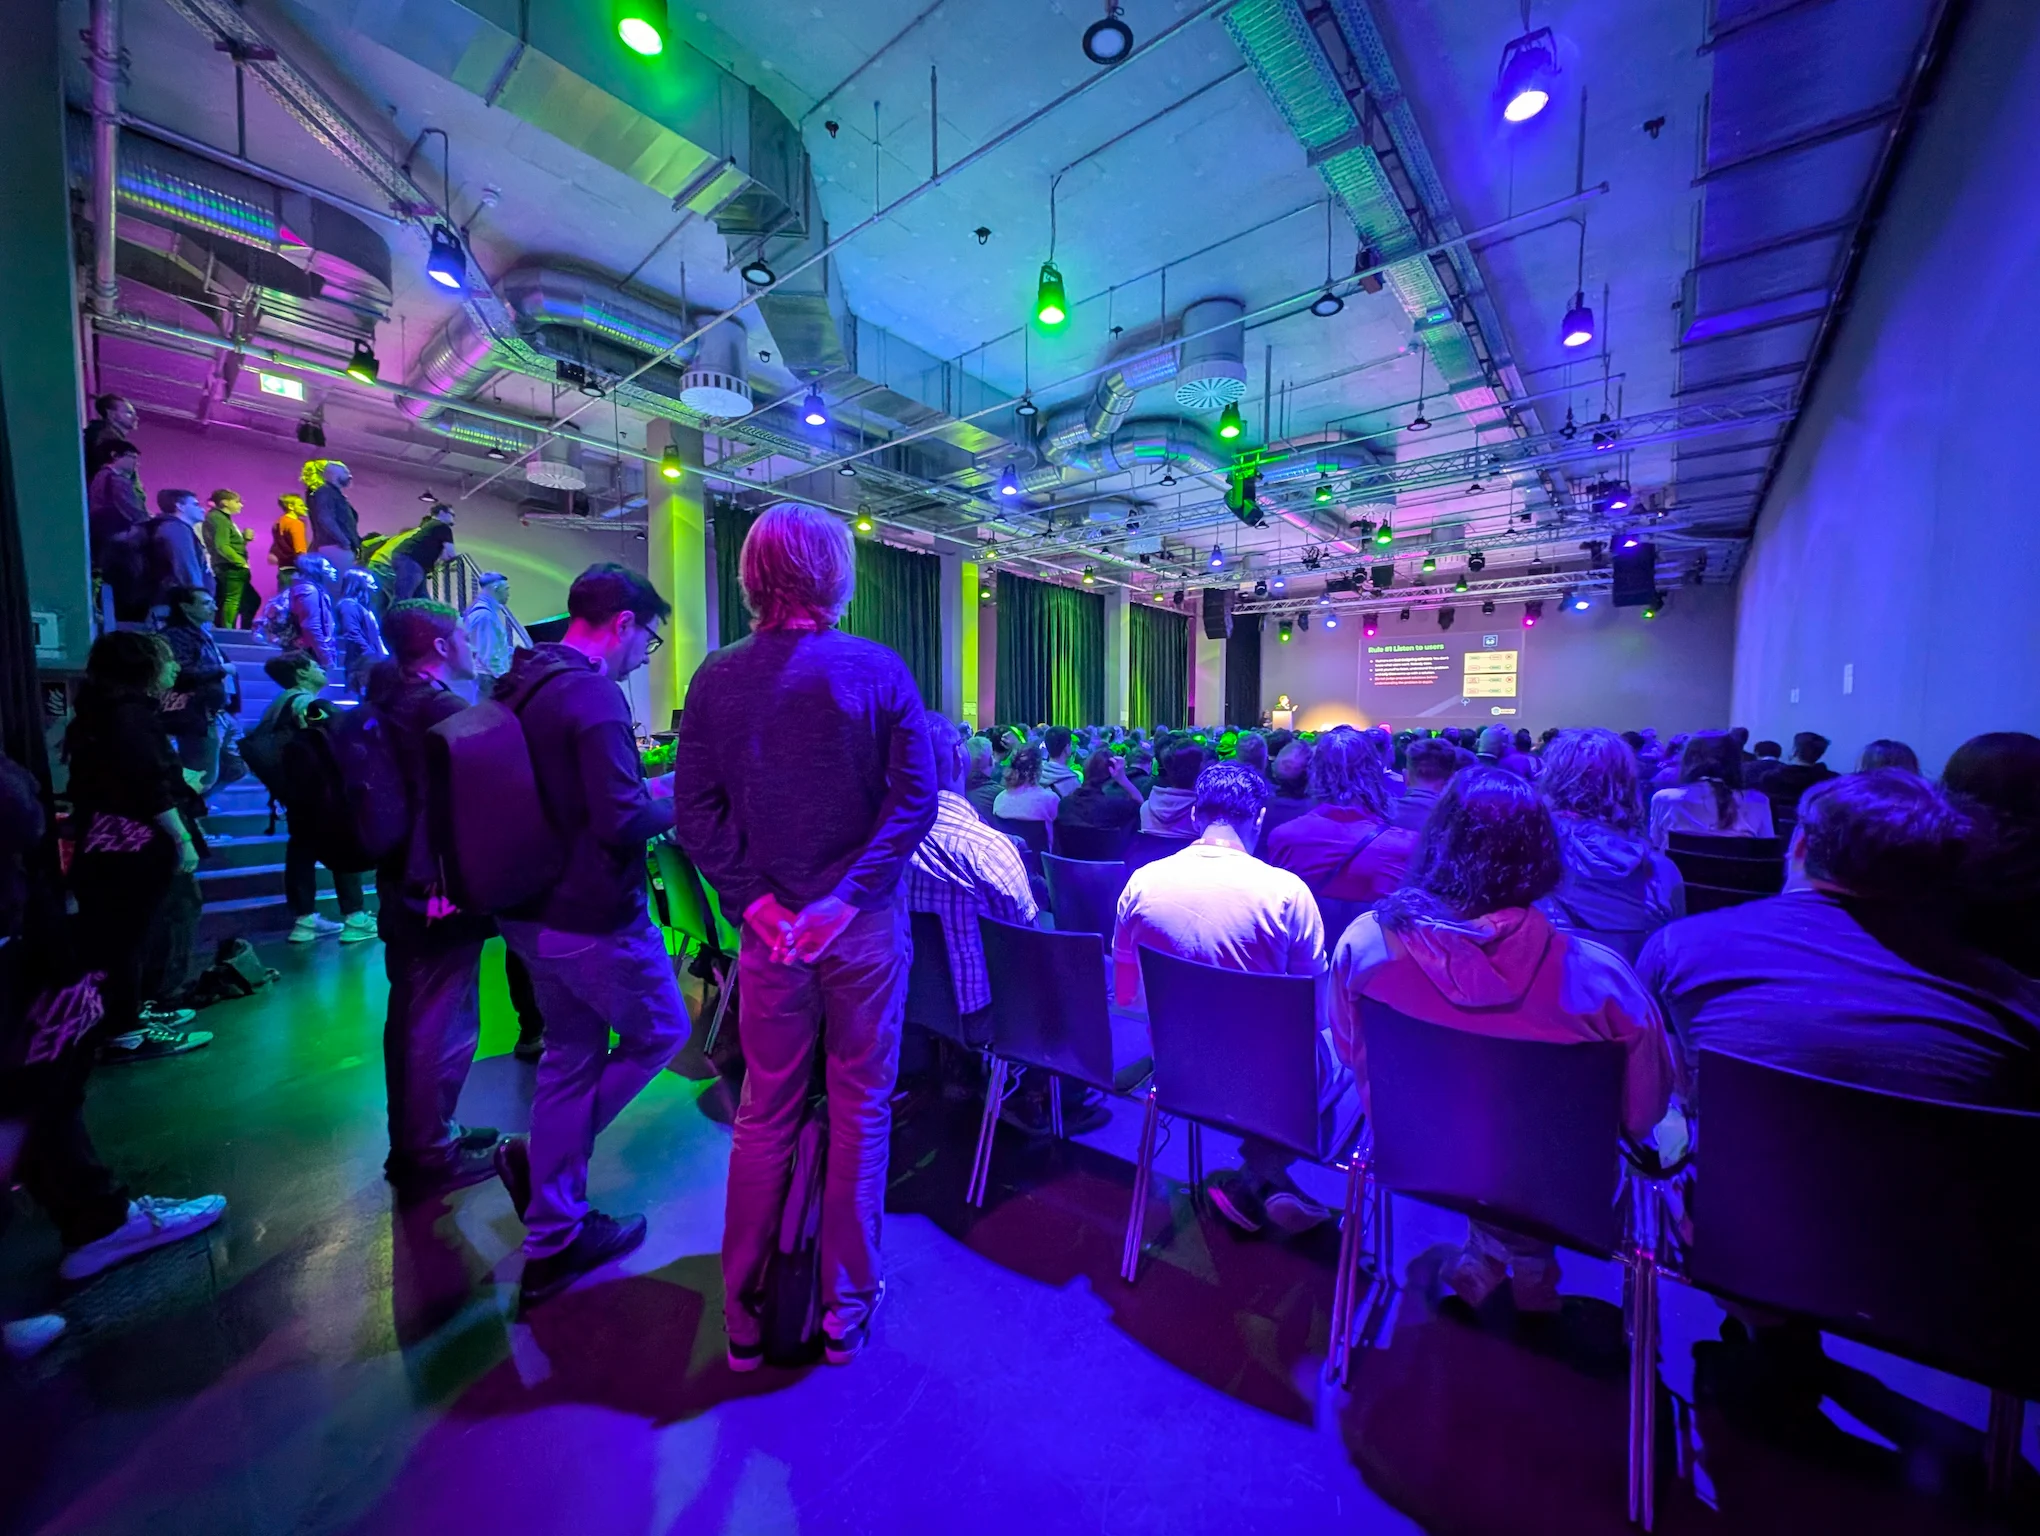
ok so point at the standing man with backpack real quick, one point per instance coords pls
(333, 529)
(597, 962)
(431, 952)
(176, 552)
(814, 864)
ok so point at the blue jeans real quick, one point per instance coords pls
(852, 1000)
(429, 1037)
(587, 985)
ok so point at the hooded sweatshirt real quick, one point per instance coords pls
(1616, 888)
(1166, 813)
(1511, 975)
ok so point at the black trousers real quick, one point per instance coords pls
(301, 881)
(530, 1022)
(121, 900)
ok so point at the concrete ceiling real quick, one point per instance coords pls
(1179, 179)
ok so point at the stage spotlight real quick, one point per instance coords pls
(1260, 589)
(1108, 41)
(1419, 422)
(1051, 303)
(1283, 630)
(1578, 327)
(1026, 409)
(1217, 560)
(864, 523)
(1430, 564)
(1655, 606)
(813, 411)
(362, 367)
(447, 265)
(1581, 602)
(669, 462)
(1178, 599)
(1460, 584)
(1529, 64)
(847, 470)
(1323, 494)
(1370, 624)
(1384, 536)
(495, 452)
(641, 24)
(1617, 498)
(1009, 482)
(313, 435)
(1476, 562)
(984, 593)
(1303, 622)
(1332, 620)
(1326, 305)
(1487, 607)
(1403, 617)
(1444, 618)
(1277, 584)
(1532, 612)
(758, 274)
(1230, 423)
(1384, 577)
(1090, 576)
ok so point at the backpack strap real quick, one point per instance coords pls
(1354, 853)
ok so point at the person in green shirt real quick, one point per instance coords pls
(227, 544)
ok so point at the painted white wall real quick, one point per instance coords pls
(1885, 594)
(1603, 667)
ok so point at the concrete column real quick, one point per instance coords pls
(988, 659)
(960, 639)
(677, 561)
(39, 350)
(1207, 677)
(1118, 655)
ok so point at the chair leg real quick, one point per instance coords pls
(1055, 1123)
(988, 1126)
(1129, 1257)
(2001, 1441)
(1193, 1146)
(726, 989)
(1347, 1284)
(1643, 1352)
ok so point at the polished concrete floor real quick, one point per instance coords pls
(323, 1363)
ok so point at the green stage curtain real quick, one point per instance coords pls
(1160, 656)
(1051, 653)
(899, 604)
(898, 601)
(1243, 673)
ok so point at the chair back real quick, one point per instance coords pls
(1084, 896)
(1727, 871)
(1048, 1000)
(1677, 843)
(931, 985)
(687, 910)
(1146, 847)
(1712, 898)
(1904, 1223)
(1235, 1050)
(1095, 845)
(1337, 914)
(1033, 833)
(1523, 1133)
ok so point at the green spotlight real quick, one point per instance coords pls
(642, 25)
(1051, 303)
(1324, 491)
(863, 524)
(1230, 423)
(669, 462)
(1430, 564)
(1384, 536)
(1459, 585)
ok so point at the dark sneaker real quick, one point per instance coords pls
(513, 1167)
(1233, 1193)
(152, 1042)
(530, 1045)
(1083, 1111)
(1291, 1211)
(469, 1166)
(169, 1018)
(744, 1358)
(841, 1348)
(483, 1136)
(601, 1240)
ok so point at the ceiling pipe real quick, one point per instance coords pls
(102, 61)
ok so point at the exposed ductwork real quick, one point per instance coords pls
(1212, 372)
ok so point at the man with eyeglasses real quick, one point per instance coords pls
(596, 960)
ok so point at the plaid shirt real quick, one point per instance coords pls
(961, 870)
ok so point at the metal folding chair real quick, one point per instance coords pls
(1084, 896)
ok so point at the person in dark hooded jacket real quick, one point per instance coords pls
(1616, 887)
(1464, 945)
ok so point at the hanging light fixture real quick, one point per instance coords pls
(1370, 624)
(1430, 564)
(641, 24)
(363, 367)
(1111, 40)
(495, 451)
(757, 273)
(1420, 422)
(864, 523)
(1051, 302)
(1278, 584)
(1476, 562)
(1217, 560)
(1230, 423)
(1460, 584)
(1331, 621)
(1384, 536)
(1009, 482)
(1283, 631)
(1529, 66)
(1577, 329)
(813, 411)
(1323, 495)
(1090, 576)
(1532, 612)
(669, 462)
(847, 470)
(447, 265)
(1026, 410)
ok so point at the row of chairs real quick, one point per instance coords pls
(1727, 871)
(1096, 845)
(689, 909)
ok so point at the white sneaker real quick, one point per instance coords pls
(359, 926)
(306, 929)
(151, 1223)
(30, 1336)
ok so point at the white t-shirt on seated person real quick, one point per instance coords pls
(1691, 808)
(1219, 906)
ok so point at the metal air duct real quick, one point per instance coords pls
(558, 467)
(716, 383)
(1212, 372)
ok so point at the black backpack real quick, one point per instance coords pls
(129, 565)
(791, 1309)
(344, 790)
(262, 748)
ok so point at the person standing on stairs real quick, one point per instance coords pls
(206, 689)
(431, 953)
(226, 545)
(296, 708)
(333, 530)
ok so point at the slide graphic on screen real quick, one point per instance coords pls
(1443, 679)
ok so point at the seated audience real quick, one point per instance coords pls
(1709, 799)
(983, 780)
(1024, 798)
(1464, 945)
(1289, 778)
(1786, 782)
(1346, 850)
(1855, 973)
(1106, 800)
(1167, 810)
(1215, 903)
(1251, 752)
(1615, 887)
(1995, 780)
(1140, 768)
(1056, 772)
(1428, 767)
(1888, 754)
(1765, 753)
(1492, 745)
